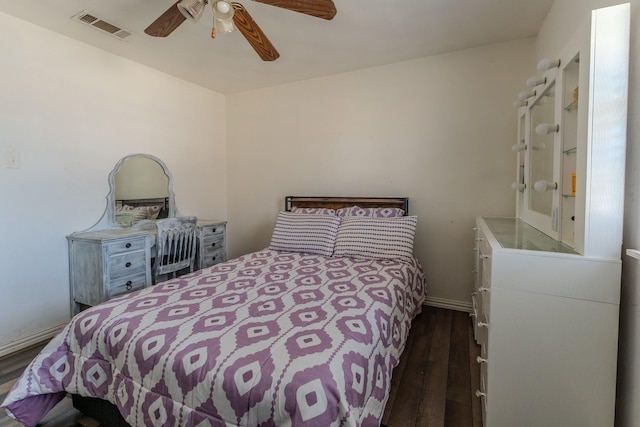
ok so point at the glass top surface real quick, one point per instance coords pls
(513, 233)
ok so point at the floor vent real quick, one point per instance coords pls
(94, 21)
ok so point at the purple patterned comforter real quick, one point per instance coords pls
(268, 339)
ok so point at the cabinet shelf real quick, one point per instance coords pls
(572, 106)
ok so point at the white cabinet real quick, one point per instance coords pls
(547, 283)
(572, 133)
(547, 325)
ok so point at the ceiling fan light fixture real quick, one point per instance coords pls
(224, 25)
(192, 9)
(222, 10)
(223, 15)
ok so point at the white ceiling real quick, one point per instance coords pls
(364, 33)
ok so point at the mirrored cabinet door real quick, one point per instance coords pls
(541, 155)
(541, 175)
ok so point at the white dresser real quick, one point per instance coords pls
(547, 322)
(547, 283)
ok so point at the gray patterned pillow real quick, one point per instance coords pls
(370, 212)
(376, 238)
(312, 234)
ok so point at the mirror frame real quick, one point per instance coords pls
(108, 220)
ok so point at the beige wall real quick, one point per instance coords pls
(438, 130)
(70, 112)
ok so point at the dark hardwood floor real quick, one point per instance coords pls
(434, 385)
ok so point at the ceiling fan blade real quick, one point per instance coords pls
(324, 9)
(252, 32)
(166, 23)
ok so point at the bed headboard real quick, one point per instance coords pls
(343, 202)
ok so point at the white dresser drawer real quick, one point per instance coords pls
(474, 315)
(210, 258)
(122, 285)
(210, 230)
(126, 245)
(212, 244)
(126, 264)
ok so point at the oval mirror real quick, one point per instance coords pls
(140, 188)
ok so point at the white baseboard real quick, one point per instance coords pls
(448, 304)
(29, 340)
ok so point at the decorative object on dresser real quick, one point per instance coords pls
(547, 283)
(115, 256)
(175, 247)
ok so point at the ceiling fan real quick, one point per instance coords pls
(229, 14)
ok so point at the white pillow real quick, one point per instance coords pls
(312, 234)
(376, 238)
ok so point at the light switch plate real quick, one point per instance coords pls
(12, 159)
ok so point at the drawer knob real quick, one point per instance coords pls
(128, 265)
(483, 289)
(129, 285)
(483, 325)
(213, 230)
(486, 256)
(480, 394)
(213, 244)
(479, 239)
(128, 245)
(481, 360)
(214, 258)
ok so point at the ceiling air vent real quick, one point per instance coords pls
(94, 21)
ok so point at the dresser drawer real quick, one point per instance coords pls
(126, 245)
(213, 257)
(484, 302)
(210, 230)
(483, 330)
(123, 285)
(126, 264)
(474, 316)
(212, 243)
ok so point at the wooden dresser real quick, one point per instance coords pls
(212, 243)
(108, 263)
